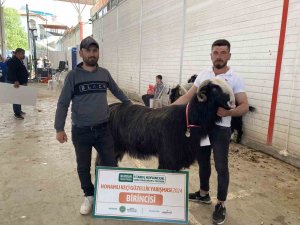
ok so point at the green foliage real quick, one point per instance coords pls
(16, 37)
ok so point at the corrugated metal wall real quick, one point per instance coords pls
(129, 16)
(161, 41)
(110, 43)
(141, 39)
(98, 36)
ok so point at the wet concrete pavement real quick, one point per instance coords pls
(39, 183)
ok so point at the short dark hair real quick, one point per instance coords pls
(159, 77)
(19, 50)
(221, 42)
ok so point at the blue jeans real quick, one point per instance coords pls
(219, 139)
(84, 138)
(146, 99)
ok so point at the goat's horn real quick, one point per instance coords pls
(200, 95)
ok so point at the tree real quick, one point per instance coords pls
(16, 37)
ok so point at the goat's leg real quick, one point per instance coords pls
(239, 137)
(167, 165)
(98, 161)
(239, 128)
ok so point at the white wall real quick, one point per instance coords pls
(287, 120)
(69, 40)
(129, 15)
(98, 36)
(142, 38)
(161, 41)
(55, 57)
(110, 44)
(253, 29)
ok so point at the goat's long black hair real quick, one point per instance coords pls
(143, 132)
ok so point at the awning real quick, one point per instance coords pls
(84, 2)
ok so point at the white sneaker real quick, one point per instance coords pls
(86, 206)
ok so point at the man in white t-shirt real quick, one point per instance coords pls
(220, 136)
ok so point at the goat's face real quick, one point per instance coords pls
(174, 95)
(192, 78)
(179, 90)
(216, 91)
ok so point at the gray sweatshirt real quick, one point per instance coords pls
(158, 89)
(88, 93)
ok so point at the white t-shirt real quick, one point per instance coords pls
(235, 82)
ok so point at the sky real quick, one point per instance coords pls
(65, 12)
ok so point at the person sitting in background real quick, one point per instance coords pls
(157, 90)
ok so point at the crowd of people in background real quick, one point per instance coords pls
(43, 62)
(3, 69)
(3, 66)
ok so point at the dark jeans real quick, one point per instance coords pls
(146, 99)
(16, 107)
(84, 138)
(219, 139)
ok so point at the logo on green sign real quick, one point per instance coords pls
(125, 177)
(122, 209)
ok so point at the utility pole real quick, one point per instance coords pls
(28, 33)
(2, 30)
(33, 31)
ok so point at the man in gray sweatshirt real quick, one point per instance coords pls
(86, 86)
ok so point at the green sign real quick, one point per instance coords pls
(141, 195)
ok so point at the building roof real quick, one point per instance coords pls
(85, 2)
(33, 14)
(55, 26)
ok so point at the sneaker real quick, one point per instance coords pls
(219, 214)
(86, 206)
(19, 117)
(23, 113)
(198, 198)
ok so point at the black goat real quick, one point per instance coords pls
(143, 132)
